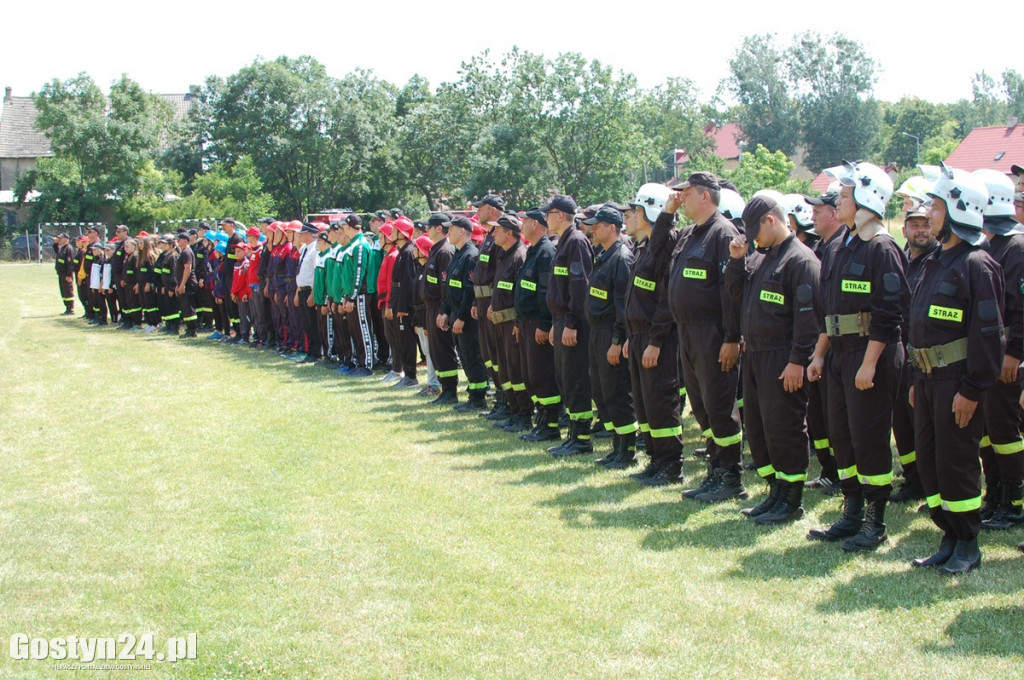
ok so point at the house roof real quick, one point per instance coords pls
(726, 142)
(982, 148)
(180, 104)
(18, 135)
(820, 183)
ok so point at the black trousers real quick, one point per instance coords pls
(774, 418)
(488, 340)
(360, 329)
(380, 337)
(1002, 449)
(67, 293)
(83, 297)
(187, 305)
(610, 385)
(231, 307)
(310, 322)
(510, 370)
(656, 398)
(947, 455)
(408, 344)
(204, 305)
(572, 364)
(391, 335)
(712, 393)
(468, 342)
(903, 422)
(442, 352)
(860, 421)
(538, 363)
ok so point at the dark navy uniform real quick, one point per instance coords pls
(507, 264)
(457, 305)
(440, 342)
(533, 314)
(567, 298)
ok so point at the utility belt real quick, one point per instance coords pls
(938, 356)
(504, 315)
(837, 325)
(483, 291)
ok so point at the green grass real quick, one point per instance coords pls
(304, 525)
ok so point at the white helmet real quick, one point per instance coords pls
(966, 198)
(797, 206)
(1000, 217)
(872, 186)
(915, 188)
(731, 204)
(652, 197)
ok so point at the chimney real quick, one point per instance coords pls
(7, 94)
(1011, 123)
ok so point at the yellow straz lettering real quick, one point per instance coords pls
(485, 258)
(856, 286)
(561, 271)
(644, 283)
(692, 273)
(528, 285)
(505, 285)
(455, 283)
(598, 293)
(776, 298)
(431, 279)
(945, 313)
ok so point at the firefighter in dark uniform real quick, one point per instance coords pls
(402, 302)
(186, 284)
(488, 210)
(133, 311)
(652, 346)
(204, 293)
(776, 285)
(956, 345)
(439, 336)
(1002, 448)
(864, 298)
(227, 273)
(457, 312)
(117, 272)
(568, 291)
(920, 244)
(533, 328)
(606, 316)
(64, 264)
(508, 257)
(707, 321)
(81, 274)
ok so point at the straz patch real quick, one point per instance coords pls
(946, 313)
(431, 279)
(598, 293)
(560, 271)
(695, 273)
(644, 283)
(485, 258)
(528, 285)
(505, 285)
(455, 283)
(774, 298)
(856, 286)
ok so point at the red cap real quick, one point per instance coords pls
(424, 244)
(294, 225)
(242, 244)
(254, 232)
(404, 226)
(388, 228)
(479, 232)
(142, 233)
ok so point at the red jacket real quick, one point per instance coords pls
(253, 275)
(240, 281)
(384, 278)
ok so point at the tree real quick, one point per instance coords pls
(910, 116)
(834, 79)
(1013, 86)
(670, 117)
(760, 81)
(764, 169)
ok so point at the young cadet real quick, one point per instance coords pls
(457, 312)
(64, 264)
(1002, 448)
(133, 313)
(324, 330)
(359, 287)
(488, 210)
(186, 284)
(434, 290)
(707, 321)
(227, 272)
(568, 291)
(957, 347)
(387, 268)
(606, 316)
(204, 298)
(117, 282)
(776, 284)
(402, 301)
(508, 257)
(864, 296)
(533, 328)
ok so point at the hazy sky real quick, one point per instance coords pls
(168, 46)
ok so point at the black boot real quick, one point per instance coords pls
(517, 424)
(570, 435)
(788, 508)
(446, 398)
(705, 484)
(475, 402)
(668, 473)
(774, 490)
(966, 557)
(500, 409)
(911, 489)
(547, 426)
(872, 532)
(1010, 512)
(847, 525)
(579, 441)
(941, 556)
(614, 453)
(727, 485)
(627, 455)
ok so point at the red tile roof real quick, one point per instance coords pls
(980, 148)
(821, 182)
(725, 140)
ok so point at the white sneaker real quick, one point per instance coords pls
(390, 376)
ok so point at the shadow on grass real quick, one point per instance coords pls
(809, 560)
(989, 631)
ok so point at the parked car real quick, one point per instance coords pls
(25, 248)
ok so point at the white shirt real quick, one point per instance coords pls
(307, 265)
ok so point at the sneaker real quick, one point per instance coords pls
(390, 376)
(825, 485)
(360, 372)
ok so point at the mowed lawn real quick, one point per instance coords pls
(305, 525)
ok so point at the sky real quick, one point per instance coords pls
(931, 54)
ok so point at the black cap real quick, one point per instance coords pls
(618, 206)
(267, 220)
(193, 232)
(92, 229)
(560, 202)
(756, 208)
(491, 199)
(323, 236)
(353, 220)
(442, 219)
(420, 224)
(227, 220)
(204, 225)
(1017, 170)
(606, 214)
(121, 227)
(511, 222)
(334, 227)
(182, 234)
(462, 222)
(167, 238)
(381, 215)
(825, 199)
(590, 211)
(308, 228)
(396, 212)
(699, 179)
(63, 234)
(536, 214)
(727, 184)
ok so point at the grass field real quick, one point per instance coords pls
(305, 525)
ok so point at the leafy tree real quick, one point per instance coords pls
(912, 116)
(764, 169)
(761, 82)
(1013, 85)
(670, 117)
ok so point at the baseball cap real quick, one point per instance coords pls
(699, 179)
(492, 200)
(560, 202)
